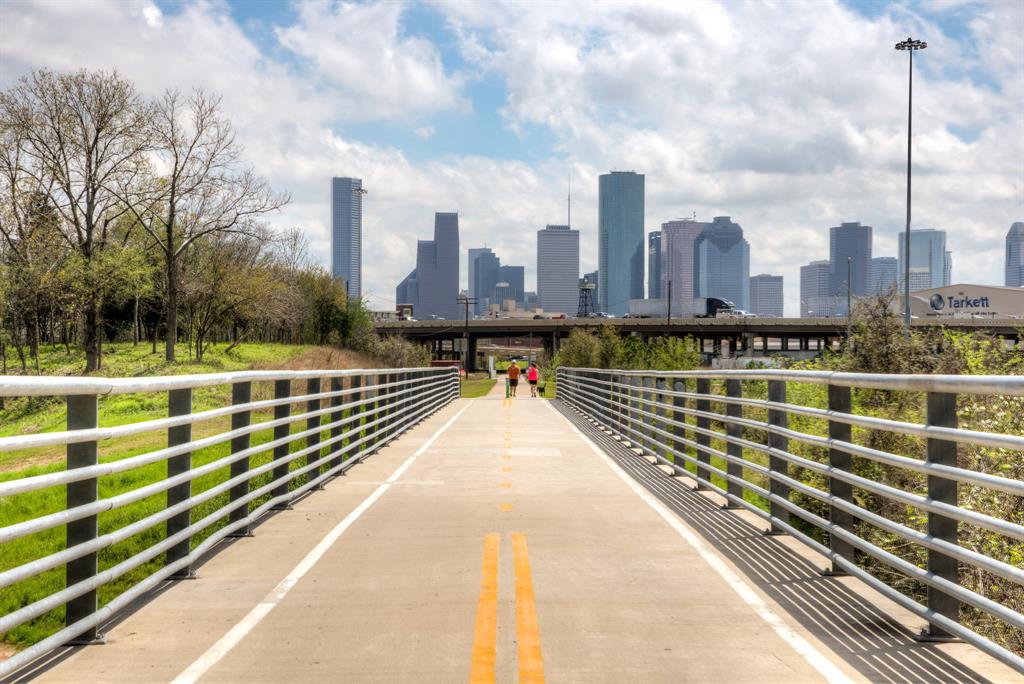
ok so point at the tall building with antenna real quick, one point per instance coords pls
(347, 233)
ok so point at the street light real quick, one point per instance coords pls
(910, 45)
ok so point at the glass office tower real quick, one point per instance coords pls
(620, 250)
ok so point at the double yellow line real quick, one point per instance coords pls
(531, 661)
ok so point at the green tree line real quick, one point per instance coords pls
(135, 218)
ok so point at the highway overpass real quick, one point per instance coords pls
(745, 335)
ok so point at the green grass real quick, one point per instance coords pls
(476, 388)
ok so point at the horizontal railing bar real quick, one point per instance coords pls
(59, 598)
(51, 520)
(48, 386)
(19, 442)
(953, 384)
(36, 482)
(1003, 484)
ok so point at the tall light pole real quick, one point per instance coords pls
(910, 45)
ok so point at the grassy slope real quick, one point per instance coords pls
(476, 388)
(46, 415)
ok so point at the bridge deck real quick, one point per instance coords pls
(388, 576)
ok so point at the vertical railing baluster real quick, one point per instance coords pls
(777, 464)
(679, 417)
(357, 411)
(337, 402)
(82, 414)
(703, 423)
(312, 423)
(179, 403)
(282, 390)
(734, 388)
(241, 393)
(840, 401)
(942, 413)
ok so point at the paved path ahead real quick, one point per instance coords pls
(495, 542)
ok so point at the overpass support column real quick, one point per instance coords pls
(83, 414)
(777, 464)
(942, 413)
(839, 401)
(470, 354)
(179, 403)
(734, 388)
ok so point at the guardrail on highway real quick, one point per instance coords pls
(650, 411)
(358, 413)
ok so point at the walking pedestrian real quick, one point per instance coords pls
(532, 376)
(513, 377)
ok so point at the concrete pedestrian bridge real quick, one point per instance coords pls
(384, 530)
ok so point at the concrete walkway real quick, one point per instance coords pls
(513, 549)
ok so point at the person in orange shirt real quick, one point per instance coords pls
(532, 376)
(513, 378)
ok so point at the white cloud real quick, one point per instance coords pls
(790, 122)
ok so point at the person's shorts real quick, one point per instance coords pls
(533, 382)
(513, 383)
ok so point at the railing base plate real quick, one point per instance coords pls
(923, 637)
(189, 574)
(834, 573)
(98, 640)
(240, 535)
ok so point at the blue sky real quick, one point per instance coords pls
(789, 117)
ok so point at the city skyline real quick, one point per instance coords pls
(445, 106)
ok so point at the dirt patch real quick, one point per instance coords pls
(322, 358)
(6, 651)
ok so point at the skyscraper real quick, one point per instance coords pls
(815, 300)
(347, 233)
(515, 276)
(433, 286)
(620, 230)
(677, 242)
(883, 276)
(483, 277)
(930, 263)
(766, 295)
(654, 265)
(1015, 255)
(558, 269)
(721, 263)
(849, 249)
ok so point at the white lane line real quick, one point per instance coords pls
(813, 656)
(235, 635)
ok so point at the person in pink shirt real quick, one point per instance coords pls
(532, 376)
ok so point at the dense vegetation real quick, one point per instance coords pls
(131, 219)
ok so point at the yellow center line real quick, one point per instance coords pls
(507, 469)
(507, 457)
(485, 634)
(531, 663)
(506, 507)
(505, 485)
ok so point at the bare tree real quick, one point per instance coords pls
(79, 135)
(202, 188)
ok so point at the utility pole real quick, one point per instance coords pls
(909, 45)
(466, 301)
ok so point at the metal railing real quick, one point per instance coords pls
(336, 427)
(678, 419)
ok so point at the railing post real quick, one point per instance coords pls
(179, 403)
(312, 423)
(839, 401)
(356, 383)
(777, 464)
(83, 414)
(703, 423)
(337, 402)
(734, 388)
(942, 413)
(282, 390)
(241, 393)
(679, 417)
